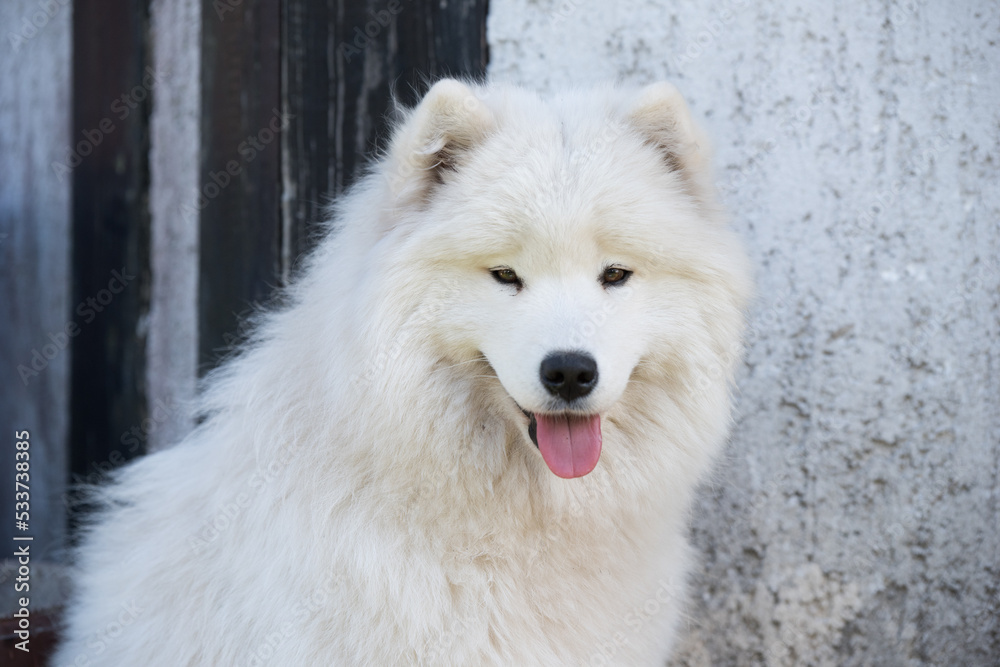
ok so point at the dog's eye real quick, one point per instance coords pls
(614, 275)
(506, 276)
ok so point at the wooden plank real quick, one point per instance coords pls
(240, 176)
(332, 81)
(447, 39)
(35, 280)
(342, 62)
(174, 127)
(111, 102)
(307, 156)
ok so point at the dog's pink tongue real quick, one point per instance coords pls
(569, 444)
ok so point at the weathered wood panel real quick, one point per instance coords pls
(342, 62)
(240, 178)
(112, 95)
(34, 265)
(172, 348)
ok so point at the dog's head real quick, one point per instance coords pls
(573, 244)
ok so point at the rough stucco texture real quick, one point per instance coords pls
(855, 518)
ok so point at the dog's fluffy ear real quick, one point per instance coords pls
(449, 121)
(663, 119)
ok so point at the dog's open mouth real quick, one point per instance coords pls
(569, 443)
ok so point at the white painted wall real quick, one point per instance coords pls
(857, 518)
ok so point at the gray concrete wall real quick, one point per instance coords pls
(855, 520)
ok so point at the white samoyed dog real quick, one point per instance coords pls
(471, 433)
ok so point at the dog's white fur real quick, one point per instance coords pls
(362, 489)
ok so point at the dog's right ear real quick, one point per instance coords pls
(449, 121)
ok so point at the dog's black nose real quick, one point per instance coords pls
(569, 374)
